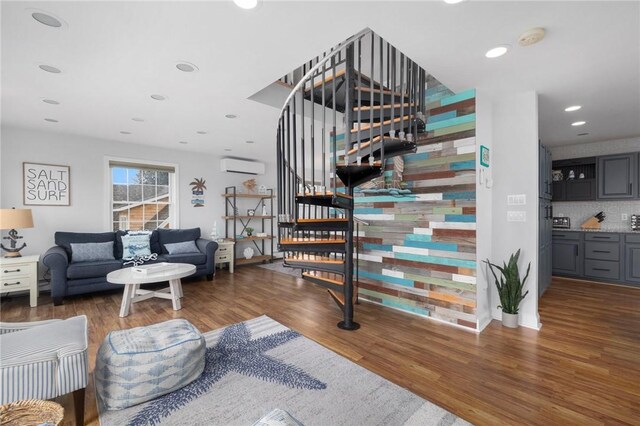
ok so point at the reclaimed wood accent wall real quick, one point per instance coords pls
(418, 253)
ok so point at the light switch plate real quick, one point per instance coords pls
(516, 216)
(517, 200)
(625, 216)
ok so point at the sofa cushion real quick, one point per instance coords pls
(89, 252)
(137, 244)
(182, 248)
(169, 236)
(154, 243)
(94, 269)
(64, 239)
(192, 258)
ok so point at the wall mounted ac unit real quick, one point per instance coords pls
(233, 165)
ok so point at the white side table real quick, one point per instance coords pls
(20, 274)
(225, 254)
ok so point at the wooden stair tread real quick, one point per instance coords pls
(325, 276)
(363, 145)
(377, 91)
(339, 74)
(297, 240)
(385, 106)
(314, 259)
(323, 194)
(377, 163)
(366, 126)
(325, 220)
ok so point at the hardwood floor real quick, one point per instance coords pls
(582, 367)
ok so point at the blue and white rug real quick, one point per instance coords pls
(259, 365)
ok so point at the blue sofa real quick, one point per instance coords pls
(72, 278)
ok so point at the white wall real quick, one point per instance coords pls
(484, 201)
(509, 125)
(86, 157)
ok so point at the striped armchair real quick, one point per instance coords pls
(43, 360)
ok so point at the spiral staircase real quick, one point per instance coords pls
(375, 95)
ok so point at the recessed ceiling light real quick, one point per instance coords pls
(158, 97)
(249, 142)
(45, 19)
(496, 52)
(201, 132)
(227, 149)
(453, 1)
(532, 36)
(183, 142)
(231, 116)
(49, 68)
(125, 132)
(186, 67)
(50, 102)
(138, 119)
(246, 4)
(51, 120)
(572, 108)
(579, 123)
(583, 134)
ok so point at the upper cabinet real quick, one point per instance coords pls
(544, 162)
(618, 177)
(574, 179)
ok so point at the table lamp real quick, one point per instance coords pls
(12, 219)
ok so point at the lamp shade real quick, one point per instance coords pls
(15, 219)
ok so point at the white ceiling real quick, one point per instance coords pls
(114, 55)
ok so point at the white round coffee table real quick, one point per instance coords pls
(132, 293)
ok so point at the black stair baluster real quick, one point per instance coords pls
(290, 200)
(348, 147)
(401, 93)
(371, 96)
(294, 179)
(334, 139)
(381, 103)
(313, 136)
(280, 168)
(324, 130)
(393, 89)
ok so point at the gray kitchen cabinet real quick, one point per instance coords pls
(632, 259)
(567, 254)
(580, 190)
(544, 172)
(545, 245)
(617, 176)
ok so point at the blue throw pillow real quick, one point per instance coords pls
(91, 252)
(136, 244)
(182, 248)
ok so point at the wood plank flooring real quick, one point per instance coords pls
(583, 367)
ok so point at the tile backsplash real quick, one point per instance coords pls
(580, 211)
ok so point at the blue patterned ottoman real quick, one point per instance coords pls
(136, 365)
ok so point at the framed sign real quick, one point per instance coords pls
(45, 185)
(484, 156)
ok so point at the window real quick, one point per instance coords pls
(142, 196)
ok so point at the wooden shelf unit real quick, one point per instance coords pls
(236, 224)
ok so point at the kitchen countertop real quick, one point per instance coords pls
(611, 231)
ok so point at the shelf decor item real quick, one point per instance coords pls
(251, 212)
(249, 231)
(510, 288)
(13, 219)
(250, 185)
(248, 253)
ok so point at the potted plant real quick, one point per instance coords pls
(510, 289)
(249, 231)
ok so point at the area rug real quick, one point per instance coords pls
(259, 365)
(278, 266)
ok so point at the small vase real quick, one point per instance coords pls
(510, 320)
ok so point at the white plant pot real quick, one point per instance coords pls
(510, 320)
